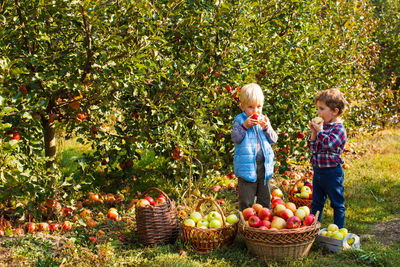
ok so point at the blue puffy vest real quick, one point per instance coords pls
(245, 153)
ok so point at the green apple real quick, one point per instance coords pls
(344, 231)
(329, 233)
(202, 222)
(324, 233)
(214, 215)
(306, 209)
(338, 235)
(332, 227)
(195, 216)
(189, 222)
(215, 223)
(232, 218)
(203, 227)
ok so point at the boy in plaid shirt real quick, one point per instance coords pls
(326, 143)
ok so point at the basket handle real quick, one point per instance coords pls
(241, 218)
(158, 190)
(215, 204)
(315, 219)
(295, 184)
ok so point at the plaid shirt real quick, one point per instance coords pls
(328, 146)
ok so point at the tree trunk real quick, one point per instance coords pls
(49, 141)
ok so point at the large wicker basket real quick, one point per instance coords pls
(204, 241)
(296, 200)
(279, 244)
(157, 224)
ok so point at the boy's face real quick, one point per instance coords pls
(251, 108)
(326, 113)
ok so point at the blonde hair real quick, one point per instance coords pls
(250, 93)
(333, 98)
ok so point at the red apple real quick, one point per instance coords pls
(19, 231)
(113, 213)
(257, 207)
(286, 214)
(254, 221)
(43, 226)
(150, 200)
(161, 200)
(143, 203)
(293, 222)
(53, 227)
(277, 193)
(276, 202)
(300, 135)
(278, 209)
(16, 136)
(266, 223)
(291, 206)
(262, 227)
(31, 227)
(66, 225)
(265, 214)
(247, 213)
(309, 219)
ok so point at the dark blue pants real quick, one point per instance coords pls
(328, 182)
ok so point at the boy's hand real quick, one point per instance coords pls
(317, 127)
(264, 123)
(249, 122)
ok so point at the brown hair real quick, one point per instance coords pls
(333, 98)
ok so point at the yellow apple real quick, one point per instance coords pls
(333, 227)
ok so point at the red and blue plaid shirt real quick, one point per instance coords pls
(327, 148)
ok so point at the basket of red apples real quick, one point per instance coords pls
(283, 231)
(301, 192)
(205, 232)
(156, 219)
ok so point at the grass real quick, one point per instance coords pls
(372, 192)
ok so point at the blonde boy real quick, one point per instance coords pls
(254, 158)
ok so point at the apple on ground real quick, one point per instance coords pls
(309, 219)
(215, 223)
(293, 222)
(254, 221)
(286, 214)
(189, 222)
(53, 227)
(66, 225)
(300, 213)
(43, 226)
(113, 214)
(248, 212)
(31, 227)
(278, 223)
(232, 218)
(291, 206)
(265, 214)
(257, 207)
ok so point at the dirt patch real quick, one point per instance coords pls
(388, 232)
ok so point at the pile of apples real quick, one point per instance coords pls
(282, 215)
(333, 231)
(149, 201)
(209, 221)
(303, 190)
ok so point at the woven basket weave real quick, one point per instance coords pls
(157, 224)
(296, 200)
(204, 241)
(279, 244)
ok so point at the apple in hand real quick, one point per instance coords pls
(247, 213)
(254, 221)
(265, 214)
(293, 222)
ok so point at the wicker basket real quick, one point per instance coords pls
(279, 244)
(204, 241)
(299, 201)
(157, 224)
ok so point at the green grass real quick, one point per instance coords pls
(372, 192)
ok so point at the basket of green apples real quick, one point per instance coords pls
(205, 232)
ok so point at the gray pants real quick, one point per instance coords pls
(247, 191)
